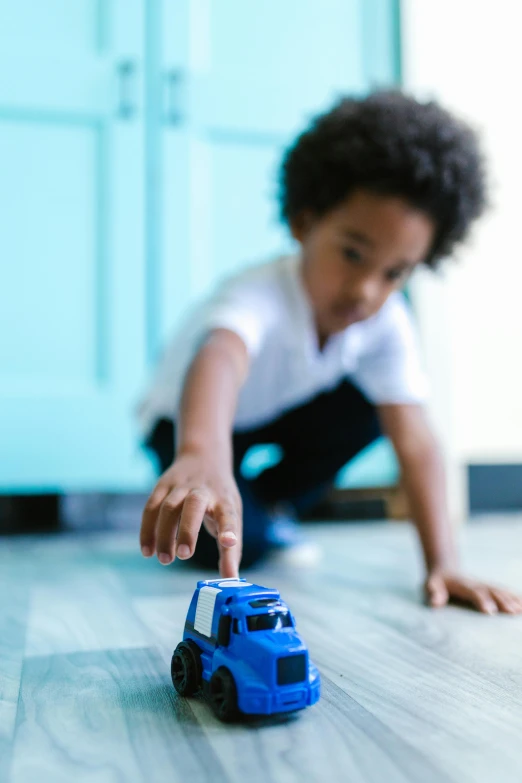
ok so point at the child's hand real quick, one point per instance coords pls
(192, 491)
(443, 586)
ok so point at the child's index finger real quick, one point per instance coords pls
(227, 538)
(229, 562)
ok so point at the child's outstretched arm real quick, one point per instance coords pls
(424, 482)
(199, 487)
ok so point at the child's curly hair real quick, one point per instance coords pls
(392, 144)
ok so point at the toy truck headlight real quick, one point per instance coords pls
(313, 674)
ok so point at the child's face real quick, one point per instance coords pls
(357, 254)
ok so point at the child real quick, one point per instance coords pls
(316, 352)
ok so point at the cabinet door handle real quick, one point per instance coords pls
(173, 97)
(127, 101)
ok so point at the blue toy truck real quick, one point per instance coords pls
(240, 639)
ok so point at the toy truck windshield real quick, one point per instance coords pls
(273, 621)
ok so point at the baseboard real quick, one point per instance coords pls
(89, 511)
(495, 487)
(29, 513)
(370, 503)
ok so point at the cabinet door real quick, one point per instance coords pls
(71, 232)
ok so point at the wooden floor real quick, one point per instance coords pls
(87, 629)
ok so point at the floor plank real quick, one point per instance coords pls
(107, 716)
(14, 607)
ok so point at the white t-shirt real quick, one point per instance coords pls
(267, 306)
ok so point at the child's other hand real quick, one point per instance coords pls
(444, 586)
(194, 490)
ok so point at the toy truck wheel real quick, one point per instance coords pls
(185, 668)
(223, 694)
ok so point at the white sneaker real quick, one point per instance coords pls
(306, 554)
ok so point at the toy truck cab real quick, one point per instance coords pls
(240, 638)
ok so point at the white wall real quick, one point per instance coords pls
(468, 54)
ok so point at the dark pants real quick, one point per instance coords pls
(317, 439)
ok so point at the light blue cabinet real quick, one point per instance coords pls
(138, 149)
